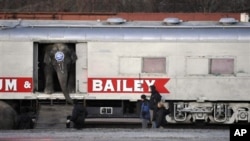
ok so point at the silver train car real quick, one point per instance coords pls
(201, 68)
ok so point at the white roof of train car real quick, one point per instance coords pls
(58, 30)
(110, 23)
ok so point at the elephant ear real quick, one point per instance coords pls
(47, 59)
(73, 56)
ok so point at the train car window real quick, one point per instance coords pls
(222, 66)
(126, 63)
(194, 69)
(154, 65)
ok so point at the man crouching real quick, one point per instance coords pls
(79, 113)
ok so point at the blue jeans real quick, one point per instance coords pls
(144, 123)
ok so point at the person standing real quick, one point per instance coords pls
(155, 98)
(145, 114)
(160, 118)
(79, 113)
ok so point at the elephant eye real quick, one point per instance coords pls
(59, 56)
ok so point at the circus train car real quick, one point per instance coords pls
(201, 68)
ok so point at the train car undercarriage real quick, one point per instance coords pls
(209, 112)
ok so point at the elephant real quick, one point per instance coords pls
(8, 116)
(60, 58)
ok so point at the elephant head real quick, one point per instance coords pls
(8, 116)
(59, 58)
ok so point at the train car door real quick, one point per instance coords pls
(81, 68)
(35, 64)
(39, 74)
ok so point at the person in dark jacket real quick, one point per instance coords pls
(144, 114)
(78, 116)
(160, 117)
(154, 99)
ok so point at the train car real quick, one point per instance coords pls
(201, 68)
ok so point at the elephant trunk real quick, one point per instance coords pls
(61, 66)
(63, 80)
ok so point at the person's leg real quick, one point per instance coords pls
(151, 114)
(153, 124)
(144, 123)
(151, 118)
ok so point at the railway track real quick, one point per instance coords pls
(117, 134)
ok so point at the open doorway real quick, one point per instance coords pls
(39, 72)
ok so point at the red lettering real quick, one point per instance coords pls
(18, 84)
(126, 85)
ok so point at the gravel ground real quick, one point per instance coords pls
(115, 134)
